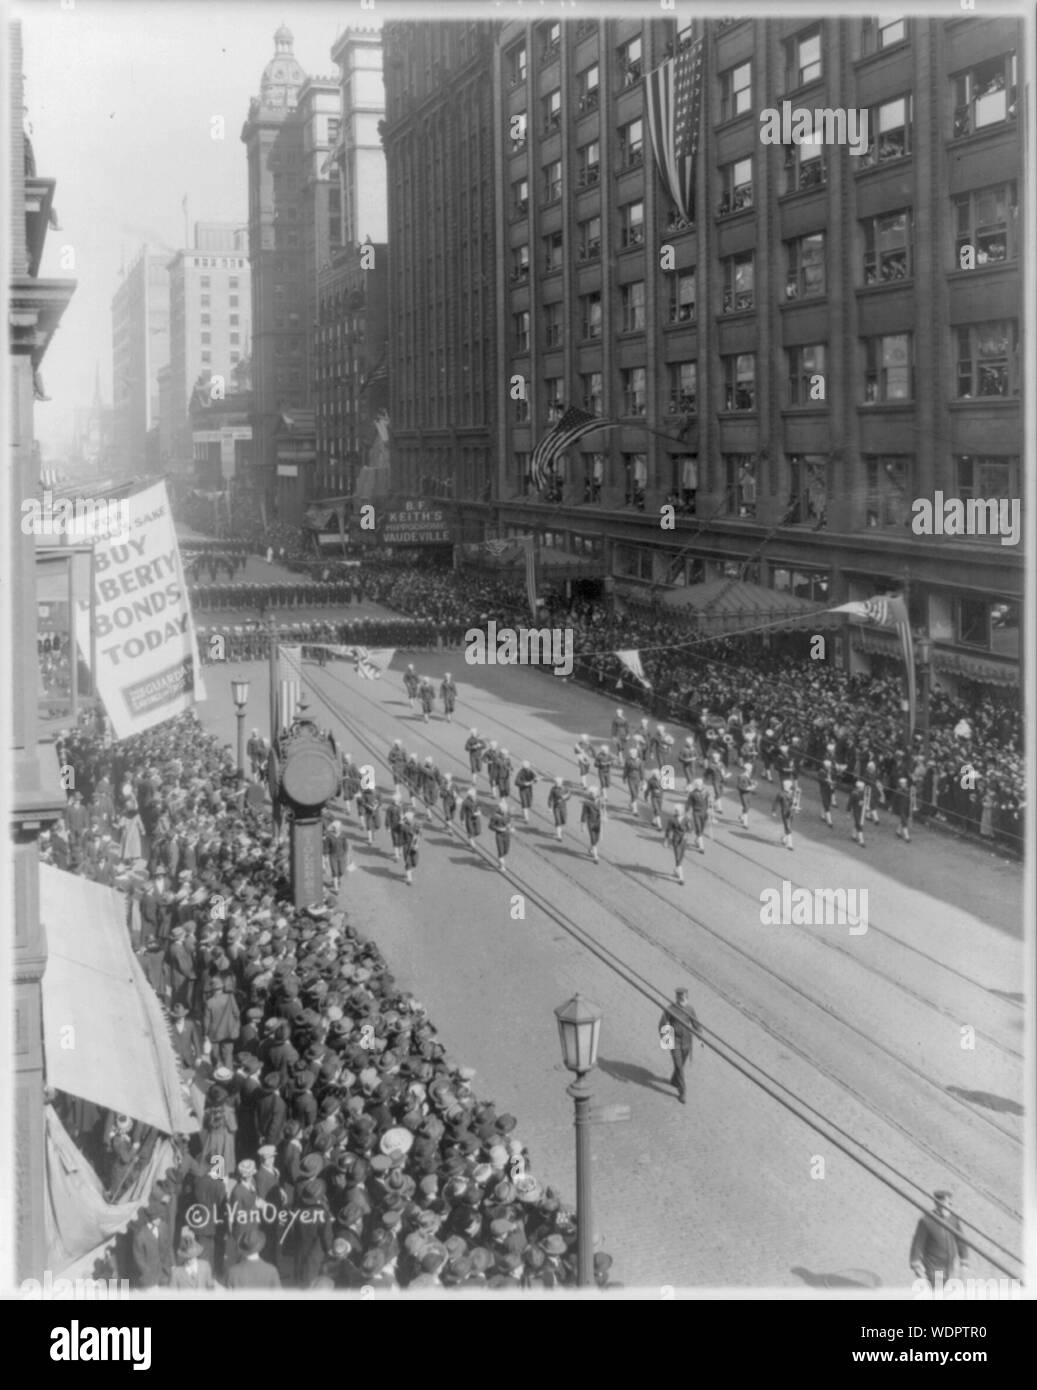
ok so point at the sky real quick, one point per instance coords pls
(120, 100)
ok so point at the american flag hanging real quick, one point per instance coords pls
(573, 425)
(673, 101)
(890, 611)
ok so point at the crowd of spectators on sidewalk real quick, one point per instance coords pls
(338, 1146)
(972, 779)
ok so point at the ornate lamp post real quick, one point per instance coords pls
(579, 1022)
(305, 773)
(239, 694)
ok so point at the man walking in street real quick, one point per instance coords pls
(678, 1026)
(938, 1242)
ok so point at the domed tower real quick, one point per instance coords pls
(282, 76)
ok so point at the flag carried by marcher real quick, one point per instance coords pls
(673, 101)
(573, 425)
(632, 661)
(289, 685)
(889, 610)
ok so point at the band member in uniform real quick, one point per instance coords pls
(500, 824)
(857, 805)
(620, 731)
(688, 757)
(430, 779)
(603, 764)
(632, 775)
(677, 838)
(371, 811)
(556, 799)
(787, 809)
(350, 780)
(397, 761)
(768, 752)
(410, 833)
(698, 804)
(471, 815)
(336, 847)
(654, 793)
(411, 683)
(475, 747)
(448, 694)
(715, 776)
(826, 786)
(584, 758)
(659, 745)
(876, 796)
(492, 754)
(746, 787)
(678, 1026)
(394, 822)
(525, 780)
(427, 695)
(448, 796)
(591, 817)
(257, 752)
(902, 808)
(412, 779)
(504, 770)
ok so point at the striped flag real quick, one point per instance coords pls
(890, 610)
(673, 101)
(573, 425)
(378, 373)
(289, 684)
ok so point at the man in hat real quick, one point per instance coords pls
(192, 1270)
(938, 1242)
(678, 1025)
(146, 1247)
(186, 1037)
(222, 1020)
(251, 1271)
(180, 967)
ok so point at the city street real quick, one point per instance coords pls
(839, 1079)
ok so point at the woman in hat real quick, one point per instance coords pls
(192, 1271)
(219, 1127)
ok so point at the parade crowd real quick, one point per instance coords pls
(338, 1146)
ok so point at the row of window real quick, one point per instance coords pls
(987, 366)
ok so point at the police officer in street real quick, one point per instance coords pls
(938, 1242)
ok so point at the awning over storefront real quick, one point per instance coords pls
(104, 1035)
(723, 606)
(975, 668)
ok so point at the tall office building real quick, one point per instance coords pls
(140, 349)
(791, 349)
(294, 221)
(210, 306)
(441, 141)
(350, 350)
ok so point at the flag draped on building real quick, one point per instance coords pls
(529, 545)
(889, 611)
(573, 425)
(673, 101)
(632, 661)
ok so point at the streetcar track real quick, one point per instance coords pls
(579, 933)
(834, 945)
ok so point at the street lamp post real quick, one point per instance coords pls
(579, 1023)
(239, 694)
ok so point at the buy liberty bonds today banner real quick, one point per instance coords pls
(147, 654)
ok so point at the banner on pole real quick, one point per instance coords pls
(147, 651)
